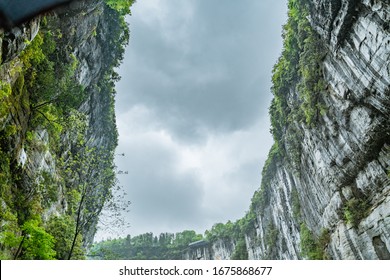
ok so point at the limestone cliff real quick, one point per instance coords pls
(57, 127)
(325, 190)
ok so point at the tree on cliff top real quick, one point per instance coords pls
(122, 6)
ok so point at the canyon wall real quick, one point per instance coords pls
(57, 125)
(325, 191)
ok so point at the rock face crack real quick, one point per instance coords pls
(380, 248)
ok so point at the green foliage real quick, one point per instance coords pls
(52, 85)
(45, 97)
(312, 83)
(312, 248)
(234, 232)
(48, 187)
(297, 70)
(10, 130)
(73, 198)
(5, 89)
(240, 252)
(62, 229)
(271, 236)
(33, 54)
(37, 244)
(9, 227)
(44, 91)
(221, 231)
(308, 243)
(33, 142)
(180, 243)
(9, 240)
(296, 204)
(122, 6)
(261, 197)
(88, 190)
(355, 210)
(247, 223)
(5, 92)
(5, 176)
(323, 241)
(293, 141)
(167, 246)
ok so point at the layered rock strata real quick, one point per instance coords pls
(337, 193)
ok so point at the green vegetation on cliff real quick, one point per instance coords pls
(54, 178)
(298, 72)
(313, 248)
(122, 6)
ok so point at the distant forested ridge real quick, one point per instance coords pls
(169, 246)
(166, 246)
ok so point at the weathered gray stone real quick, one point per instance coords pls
(347, 154)
(82, 29)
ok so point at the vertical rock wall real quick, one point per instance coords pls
(345, 157)
(221, 249)
(331, 197)
(83, 30)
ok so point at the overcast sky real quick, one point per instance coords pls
(192, 109)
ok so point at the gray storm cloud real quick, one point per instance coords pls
(192, 109)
